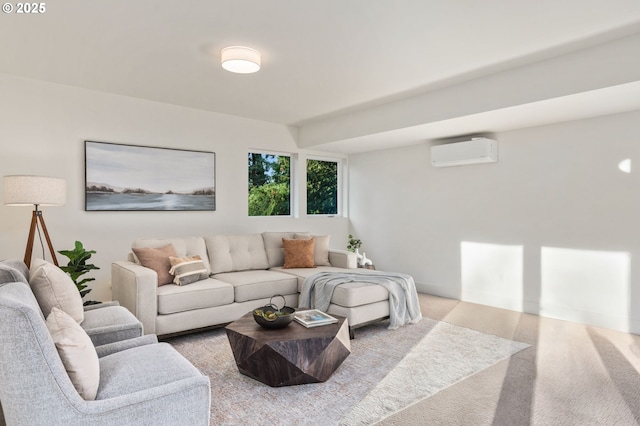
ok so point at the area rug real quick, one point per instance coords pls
(386, 372)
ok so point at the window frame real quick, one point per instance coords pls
(292, 165)
(340, 165)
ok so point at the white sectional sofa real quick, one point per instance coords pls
(243, 273)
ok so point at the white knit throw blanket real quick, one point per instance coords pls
(404, 307)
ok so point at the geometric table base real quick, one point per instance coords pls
(292, 355)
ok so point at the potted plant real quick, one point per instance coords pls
(354, 244)
(77, 267)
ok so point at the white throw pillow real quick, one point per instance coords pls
(187, 270)
(53, 287)
(77, 353)
(321, 254)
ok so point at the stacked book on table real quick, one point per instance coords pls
(313, 318)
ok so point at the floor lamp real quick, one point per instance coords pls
(37, 191)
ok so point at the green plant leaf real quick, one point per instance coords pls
(78, 266)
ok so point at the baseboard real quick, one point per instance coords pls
(621, 323)
(492, 299)
(440, 291)
(597, 319)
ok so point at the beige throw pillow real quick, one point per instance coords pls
(187, 270)
(54, 288)
(158, 260)
(321, 248)
(77, 353)
(298, 253)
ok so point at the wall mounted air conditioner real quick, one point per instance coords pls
(474, 151)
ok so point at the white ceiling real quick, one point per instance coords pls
(320, 59)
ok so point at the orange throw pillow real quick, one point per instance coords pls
(158, 260)
(298, 253)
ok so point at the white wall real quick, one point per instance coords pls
(43, 131)
(552, 228)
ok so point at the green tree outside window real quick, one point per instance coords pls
(322, 187)
(269, 184)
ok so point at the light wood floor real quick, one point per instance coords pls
(571, 375)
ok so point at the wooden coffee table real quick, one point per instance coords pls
(293, 355)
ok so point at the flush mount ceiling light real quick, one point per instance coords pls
(240, 59)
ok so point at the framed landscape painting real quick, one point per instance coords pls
(131, 177)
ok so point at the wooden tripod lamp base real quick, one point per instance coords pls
(35, 218)
(29, 190)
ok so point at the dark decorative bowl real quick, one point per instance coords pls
(282, 317)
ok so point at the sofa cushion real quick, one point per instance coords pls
(358, 293)
(349, 295)
(185, 246)
(252, 285)
(53, 287)
(273, 245)
(206, 293)
(230, 253)
(158, 260)
(302, 273)
(151, 371)
(76, 351)
(298, 253)
(187, 270)
(321, 248)
(110, 323)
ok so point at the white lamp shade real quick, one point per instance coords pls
(23, 190)
(240, 59)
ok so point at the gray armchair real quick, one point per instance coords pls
(141, 381)
(104, 323)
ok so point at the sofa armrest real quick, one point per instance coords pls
(100, 305)
(135, 287)
(111, 348)
(343, 259)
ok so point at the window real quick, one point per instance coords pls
(269, 184)
(322, 187)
